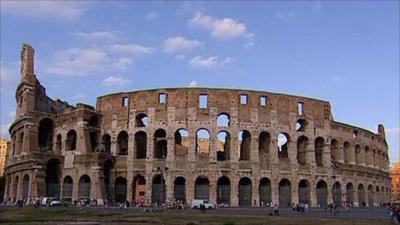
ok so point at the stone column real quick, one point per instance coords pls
(274, 191)
(213, 189)
(313, 195)
(295, 190)
(75, 188)
(169, 186)
(255, 202)
(234, 192)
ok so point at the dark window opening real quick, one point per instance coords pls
(125, 101)
(160, 144)
(141, 145)
(122, 143)
(244, 138)
(223, 146)
(142, 120)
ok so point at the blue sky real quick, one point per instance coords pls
(344, 52)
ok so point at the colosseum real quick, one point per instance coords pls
(236, 147)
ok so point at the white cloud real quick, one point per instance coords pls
(68, 10)
(115, 81)
(180, 44)
(193, 83)
(95, 35)
(210, 62)
(286, 15)
(222, 29)
(151, 16)
(133, 49)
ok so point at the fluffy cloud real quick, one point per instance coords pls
(193, 83)
(68, 10)
(226, 28)
(95, 35)
(180, 44)
(91, 61)
(151, 16)
(210, 62)
(115, 81)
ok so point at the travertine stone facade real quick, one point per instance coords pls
(4, 149)
(395, 175)
(238, 147)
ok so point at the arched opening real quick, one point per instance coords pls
(245, 192)
(202, 144)
(223, 120)
(68, 185)
(122, 143)
(337, 194)
(264, 191)
(59, 144)
(120, 190)
(371, 196)
(93, 125)
(349, 193)
(361, 196)
(158, 189)
(302, 143)
(347, 152)
(223, 146)
(264, 141)
(304, 192)
(285, 193)
(322, 194)
(45, 134)
(142, 120)
(160, 144)
(15, 188)
(319, 150)
(378, 195)
(139, 190)
(180, 189)
(181, 144)
(84, 187)
(52, 178)
(224, 191)
(283, 145)
(141, 145)
(335, 151)
(201, 188)
(13, 143)
(108, 166)
(93, 121)
(25, 187)
(244, 139)
(359, 157)
(20, 144)
(301, 125)
(70, 143)
(106, 143)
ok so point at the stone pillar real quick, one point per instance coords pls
(326, 156)
(329, 192)
(75, 188)
(234, 192)
(169, 187)
(341, 153)
(189, 190)
(255, 202)
(355, 197)
(213, 189)
(149, 184)
(295, 191)
(313, 195)
(97, 185)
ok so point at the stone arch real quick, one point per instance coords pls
(368, 156)
(319, 151)
(264, 191)
(337, 193)
(244, 139)
(16, 187)
(141, 144)
(371, 196)
(106, 143)
(223, 146)
(84, 187)
(122, 143)
(201, 188)
(304, 192)
(283, 145)
(108, 167)
(94, 121)
(322, 194)
(160, 144)
(120, 189)
(359, 156)
(224, 191)
(350, 193)
(285, 193)
(202, 144)
(53, 172)
(302, 143)
(58, 144)
(139, 189)
(180, 189)
(25, 187)
(158, 189)
(245, 191)
(223, 120)
(335, 151)
(20, 143)
(141, 120)
(182, 143)
(68, 185)
(264, 142)
(70, 142)
(361, 196)
(301, 125)
(348, 155)
(45, 134)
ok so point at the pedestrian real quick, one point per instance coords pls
(276, 210)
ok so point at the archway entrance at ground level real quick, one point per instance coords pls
(139, 189)
(52, 178)
(107, 172)
(223, 191)
(84, 187)
(265, 191)
(361, 196)
(245, 191)
(337, 194)
(201, 188)
(67, 187)
(158, 189)
(370, 196)
(349, 193)
(304, 192)
(120, 189)
(180, 189)
(25, 187)
(285, 193)
(322, 194)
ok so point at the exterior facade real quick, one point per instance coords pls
(237, 147)
(4, 149)
(395, 175)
